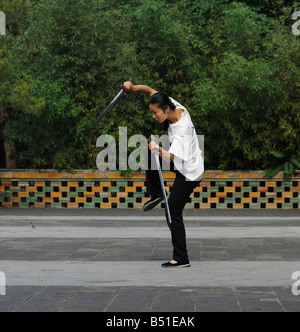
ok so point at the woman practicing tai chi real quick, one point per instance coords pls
(185, 159)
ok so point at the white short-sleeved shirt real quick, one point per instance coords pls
(185, 146)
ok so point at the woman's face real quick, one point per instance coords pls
(158, 114)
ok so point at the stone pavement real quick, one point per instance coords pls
(109, 261)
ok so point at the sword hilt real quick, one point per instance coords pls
(122, 86)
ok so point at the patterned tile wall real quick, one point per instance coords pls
(218, 190)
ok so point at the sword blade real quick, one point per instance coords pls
(163, 188)
(112, 104)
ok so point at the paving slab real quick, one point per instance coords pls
(110, 261)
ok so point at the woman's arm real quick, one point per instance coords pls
(128, 86)
(167, 156)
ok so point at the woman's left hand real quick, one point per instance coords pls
(154, 147)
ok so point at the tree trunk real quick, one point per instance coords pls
(9, 144)
(9, 148)
(10, 155)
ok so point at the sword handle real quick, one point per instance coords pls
(130, 80)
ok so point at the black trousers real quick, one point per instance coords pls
(180, 193)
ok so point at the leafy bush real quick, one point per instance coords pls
(233, 64)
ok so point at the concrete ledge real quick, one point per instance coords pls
(90, 174)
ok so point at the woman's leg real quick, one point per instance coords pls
(153, 185)
(180, 194)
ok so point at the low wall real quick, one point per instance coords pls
(86, 189)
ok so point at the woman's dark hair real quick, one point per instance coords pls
(162, 101)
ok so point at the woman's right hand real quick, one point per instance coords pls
(128, 86)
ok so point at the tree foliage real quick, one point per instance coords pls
(233, 64)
